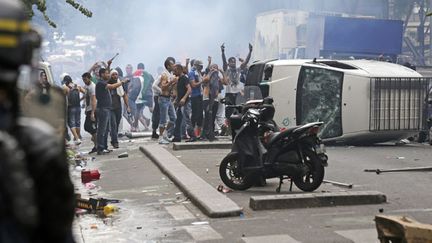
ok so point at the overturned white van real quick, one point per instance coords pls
(360, 101)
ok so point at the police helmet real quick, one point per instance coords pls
(17, 39)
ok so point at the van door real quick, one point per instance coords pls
(319, 98)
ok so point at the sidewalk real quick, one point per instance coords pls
(146, 197)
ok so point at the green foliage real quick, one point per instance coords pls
(41, 6)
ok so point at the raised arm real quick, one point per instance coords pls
(224, 61)
(92, 68)
(209, 59)
(244, 64)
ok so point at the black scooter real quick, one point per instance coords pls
(260, 151)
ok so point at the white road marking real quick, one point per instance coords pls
(332, 214)
(270, 238)
(360, 236)
(179, 212)
(202, 232)
(411, 210)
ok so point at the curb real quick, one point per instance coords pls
(310, 200)
(202, 145)
(204, 196)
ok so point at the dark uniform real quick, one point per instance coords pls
(36, 193)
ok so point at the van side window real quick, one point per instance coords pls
(268, 73)
(319, 98)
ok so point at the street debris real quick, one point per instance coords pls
(200, 223)
(138, 134)
(109, 209)
(407, 169)
(80, 211)
(139, 227)
(94, 205)
(89, 175)
(123, 155)
(402, 229)
(207, 170)
(339, 184)
(93, 226)
(108, 221)
(79, 168)
(400, 157)
(223, 189)
(90, 186)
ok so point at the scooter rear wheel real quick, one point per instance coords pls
(231, 175)
(315, 175)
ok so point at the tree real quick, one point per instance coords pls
(41, 5)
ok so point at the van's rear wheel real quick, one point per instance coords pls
(231, 174)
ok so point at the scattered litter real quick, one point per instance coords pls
(93, 226)
(200, 223)
(139, 227)
(207, 170)
(89, 175)
(109, 209)
(217, 165)
(79, 168)
(179, 193)
(413, 169)
(381, 210)
(350, 185)
(241, 215)
(108, 221)
(90, 186)
(400, 157)
(80, 211)
(163, 178)
(178, 156)
(93, 204)
(123, 155)
(223, 189)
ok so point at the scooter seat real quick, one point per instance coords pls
(277, 135)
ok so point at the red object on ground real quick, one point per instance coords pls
(95, 175)
(89, 175)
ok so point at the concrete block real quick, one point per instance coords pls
(309, 200)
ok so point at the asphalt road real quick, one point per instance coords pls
(153, 210)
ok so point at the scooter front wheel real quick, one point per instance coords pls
(232, 176)
(315, 175)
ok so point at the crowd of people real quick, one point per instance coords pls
(184, 100)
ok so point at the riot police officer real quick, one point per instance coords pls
(36, 193)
